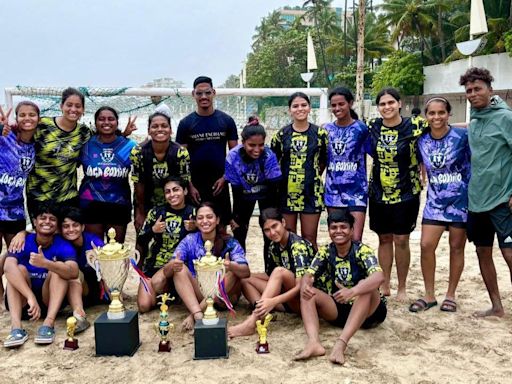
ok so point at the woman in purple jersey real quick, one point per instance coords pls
(346, 185)
(446, 158)
(105, 195)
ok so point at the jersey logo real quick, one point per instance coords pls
(339, 147)
(343, 273)
(388, 139)
(250, 178)
(107, 155)
(159, 172)
(438, 160)
(172, 226)
(298, 145)
(26, 163)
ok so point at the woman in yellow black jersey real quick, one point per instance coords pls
(394, 190)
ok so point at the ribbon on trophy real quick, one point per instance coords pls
(143, 278)
(221, 286)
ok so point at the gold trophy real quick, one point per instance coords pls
(262, 346)
(112, 263)
(163, 327)
(71, 343)
(207, 268)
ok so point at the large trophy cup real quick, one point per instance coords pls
(117, 331)
(210, 333)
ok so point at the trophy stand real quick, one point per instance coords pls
(210, 333)
(163, 327)
(71, 343)
(116, 332)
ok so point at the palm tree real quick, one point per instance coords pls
(270, 27)
(360, 56)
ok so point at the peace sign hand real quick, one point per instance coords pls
(130, 127)
(4, 120)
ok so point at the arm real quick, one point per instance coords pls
(139, 206)
(66, 269)
(371, 283)
(232, 144)
(239, 270)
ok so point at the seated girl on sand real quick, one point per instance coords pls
(279, 287)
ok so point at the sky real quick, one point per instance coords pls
(114, 43)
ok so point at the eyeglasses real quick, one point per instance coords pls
(204, 93)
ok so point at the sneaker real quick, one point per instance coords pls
(16, 338)
(45, 335)
(81, 323)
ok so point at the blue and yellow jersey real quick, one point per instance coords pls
(57, 155)
(395, 175)
(328, 267)
(295, 257)
(301, 155)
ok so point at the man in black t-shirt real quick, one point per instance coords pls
(205, 133)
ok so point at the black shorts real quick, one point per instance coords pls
(38, 292)
(483, 225)
(98, 212)
(377, 317)
(445, 224)
(398, 219)
(352, 208)
(12, 227)
(32, 205)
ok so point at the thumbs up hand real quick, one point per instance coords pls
(190, 224)
(159, 226)
(38, 259)
(343, 295)
(227, 262)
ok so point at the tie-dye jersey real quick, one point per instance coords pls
(395, 173)
(251, 174)
(301, 156)
(447, 161)
(192, 248)
(106, 171)
(328, 267)
(295, 257)
(16, 161)
(346, 182)
(57, 155)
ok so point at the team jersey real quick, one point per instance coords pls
(358, 264)
(192, 248)
(16, 162)
(251, 175)
(59, 250)
(295, 257)
(206, 138)
(81, 252)
(176, 163)
(106, 171)
(447, 161)
(301, 156)
(164, 244)
(57, 155)
(346, 180)
(395, 173)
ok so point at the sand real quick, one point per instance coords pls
(429, 347)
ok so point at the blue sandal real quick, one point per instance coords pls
(16, 338)
(45, 335)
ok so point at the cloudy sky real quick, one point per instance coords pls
(126, 42)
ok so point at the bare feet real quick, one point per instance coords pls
(338, 352)
(312, 349)
(245, 328)
(190, 321)
(385, 289)
(401, 296)
(499, 312)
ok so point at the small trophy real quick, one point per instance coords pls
(163, 327)
(71, 343)
(262, 345)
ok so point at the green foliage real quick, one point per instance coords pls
(347, 77)
(402, 71)
(508, 42)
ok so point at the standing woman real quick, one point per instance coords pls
(395, 186)
(446, 157)
(301, 149)
(253, 172)
(346, 183)
(58, 141)
(105, 195)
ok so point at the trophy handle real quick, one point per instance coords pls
(92, 260)
(137, 257)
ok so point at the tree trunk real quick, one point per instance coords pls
(360, 59)
(441, 33)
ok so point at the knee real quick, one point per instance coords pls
(143, 305)
(401, 241)
(426, 246)
(279, 272)
(385, 239)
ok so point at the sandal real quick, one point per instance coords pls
(421, 305)
(448, 306)
(45, 335)
(81, 323)
(16, 338)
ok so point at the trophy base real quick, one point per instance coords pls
(164, 346)
(262, 348)
(70, 345)
(211, 341)
(117, 337)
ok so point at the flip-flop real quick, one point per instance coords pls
(421, 305)
(448, 306)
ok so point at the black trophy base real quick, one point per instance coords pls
(70, 345)
(262, 348)
(117, 337)
(164, 346)
(211, 341)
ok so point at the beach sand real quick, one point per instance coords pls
(429, 347)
